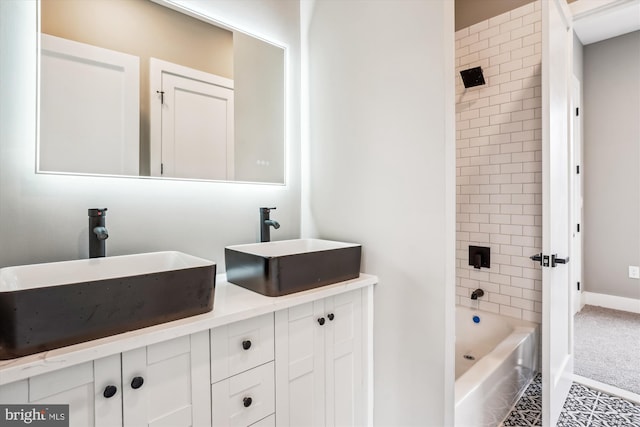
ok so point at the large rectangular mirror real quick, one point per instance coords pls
(135, 88)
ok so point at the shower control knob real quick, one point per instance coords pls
(246, 344)
(137, 382)
(321, 321)
(330, 316)
(110, 391)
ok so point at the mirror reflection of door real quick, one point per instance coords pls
(191, 123)
(89, 109)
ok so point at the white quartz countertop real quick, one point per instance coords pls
(231, 304)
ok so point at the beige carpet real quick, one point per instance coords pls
(607, 347)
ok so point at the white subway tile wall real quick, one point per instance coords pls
(499, 167)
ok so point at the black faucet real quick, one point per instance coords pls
(477, 294)
(266, 223)
(97, 233)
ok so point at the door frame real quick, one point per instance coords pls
(576, 189)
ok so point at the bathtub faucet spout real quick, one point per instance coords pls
(476, 294)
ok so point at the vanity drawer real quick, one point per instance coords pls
(270, 421)
(240, 346)
(244, 399)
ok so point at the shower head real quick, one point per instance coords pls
(472, 77)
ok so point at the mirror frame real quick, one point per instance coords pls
(209, 19)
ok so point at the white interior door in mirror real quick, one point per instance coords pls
(192, 131)
(89, 109)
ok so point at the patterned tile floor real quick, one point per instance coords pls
(584, 407)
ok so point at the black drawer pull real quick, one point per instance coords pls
(321, 321)
(247, 401)
(246, 344)
(330, 316)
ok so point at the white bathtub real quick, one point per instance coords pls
(505, 353)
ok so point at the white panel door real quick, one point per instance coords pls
(557, 352)
(344, 362)
(192, 128)
(167, 384)
(300, 366)
(89, 109)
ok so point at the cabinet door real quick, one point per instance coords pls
(343, 360)
(81, 387)
(320, 367)
(300, 377)
(167, 384)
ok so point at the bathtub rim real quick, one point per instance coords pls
(471, 380)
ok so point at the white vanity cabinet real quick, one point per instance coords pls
(302, 359)
(162, 384)
(320, 362)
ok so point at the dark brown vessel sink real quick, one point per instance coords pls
(284, 267)
(46, 306)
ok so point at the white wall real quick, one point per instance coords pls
(382, 168)
(499, 161)
(611, 157)
(470, 12)
(44, 217)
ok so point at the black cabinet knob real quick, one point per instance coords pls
(137, 382)
(110, 391)
(330, 316)
(246, 344)
(247, 401)
(321, 321)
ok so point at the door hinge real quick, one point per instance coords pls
(578, 228)
(161, 92)
(577, 111)
(161, 168)
(578, 169)
(578, 285)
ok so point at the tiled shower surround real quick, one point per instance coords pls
(498, 155)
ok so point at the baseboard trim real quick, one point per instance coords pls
(611, 301)
(609, 389)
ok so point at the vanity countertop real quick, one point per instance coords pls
(231, 304)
